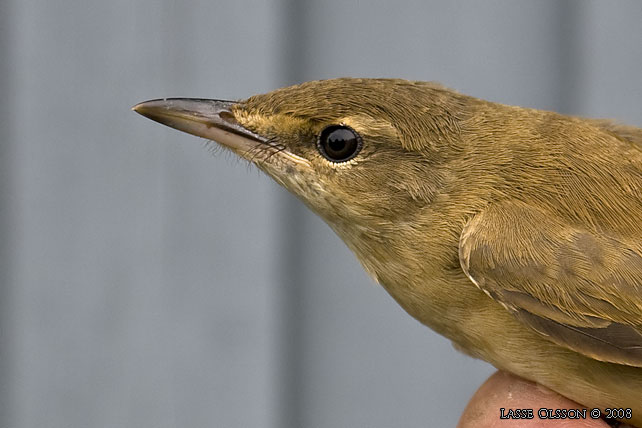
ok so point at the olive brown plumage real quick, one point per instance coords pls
(514, 232)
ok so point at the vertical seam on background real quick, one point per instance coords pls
(291, 245)
(569, 56)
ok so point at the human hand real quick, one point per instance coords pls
(504, 390)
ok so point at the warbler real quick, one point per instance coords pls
(514, 232)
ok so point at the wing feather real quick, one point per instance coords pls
(580, 289)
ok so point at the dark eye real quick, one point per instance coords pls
(339, 143)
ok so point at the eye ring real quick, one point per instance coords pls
(339, 143)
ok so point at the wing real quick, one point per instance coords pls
(581, 290)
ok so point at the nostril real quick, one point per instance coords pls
(228, 117)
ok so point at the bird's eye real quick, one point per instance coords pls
(338, 143)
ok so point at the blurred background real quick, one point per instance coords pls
(146, 283)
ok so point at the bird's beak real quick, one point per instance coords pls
(211, 119)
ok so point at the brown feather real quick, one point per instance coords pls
(583, 291)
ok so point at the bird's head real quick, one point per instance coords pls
(359, 152)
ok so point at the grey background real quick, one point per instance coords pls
(145, 283)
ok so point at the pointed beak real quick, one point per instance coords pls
(211, 119)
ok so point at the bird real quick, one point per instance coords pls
(514, 232)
